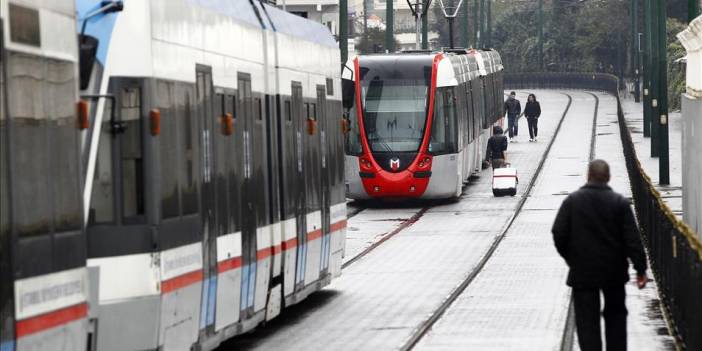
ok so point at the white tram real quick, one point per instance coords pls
(205, 193)
(419, 121)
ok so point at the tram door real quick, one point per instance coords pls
(299, 194)
(324, 180)
(204, 93)
(248, 194)
(6, 305)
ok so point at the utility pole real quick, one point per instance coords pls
(476, 10)
(464, 23)
(693, 9)
(635, 48)
(663, 154)
(647, 68)
(541, 35)
(343, 30)
(425, 27)
(488, 29)
(481, 33)
(450, 16)
(365, 18)
(420, 11)
(655, 78)
(389, 27)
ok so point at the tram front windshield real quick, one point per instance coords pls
(394, 114)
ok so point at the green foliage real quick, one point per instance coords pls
(441, 25)
(586, 36)
(374, 42)
(579, 36)
(676, 71)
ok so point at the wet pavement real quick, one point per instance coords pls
(517, 301)
(672, 193)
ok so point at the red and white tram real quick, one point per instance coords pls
(418, 121)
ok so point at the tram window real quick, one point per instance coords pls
(221, 168)
(24, 25)
(330, 86)
(60, 97)
(352, 140)
(257, 109)
(188, 130)
(25, 77)
(131, 155)
(168, 144)
(4, 186)
(101, 203)
(220, 104)
(443, 130)
(311, 111)
(230, 105)
(288, 111)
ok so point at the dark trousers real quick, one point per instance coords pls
(497, 162)
(533, 127)
(512, 126)
(587, 318)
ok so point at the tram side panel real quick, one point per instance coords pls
(42, 244)
(304, 136)
(229, 165)
(337, 192)
(177, 228)
(7, 327)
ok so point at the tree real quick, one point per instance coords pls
(373, 41)
(441, 25)
(676, 71)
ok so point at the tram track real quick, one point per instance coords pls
(414, 218)
(568, 339)
(385, 237)
(425, 326)
(404, 221)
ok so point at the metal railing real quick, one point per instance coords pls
(555, 80)
(675, 252)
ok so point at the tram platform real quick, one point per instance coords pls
(672, 193)
(480, 273)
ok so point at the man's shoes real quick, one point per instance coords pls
(531, 140)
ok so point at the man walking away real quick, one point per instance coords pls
(497, 145)
(595, 232)
(532, 111)
(512, 109)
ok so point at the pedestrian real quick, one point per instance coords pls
(497, 145)
(595, 232)
(532, 111)
(512, 109)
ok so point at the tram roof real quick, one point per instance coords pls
(283, 22)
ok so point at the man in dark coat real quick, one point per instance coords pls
(595, 232)
(512, 109)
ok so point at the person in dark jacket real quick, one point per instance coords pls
(512, 109)
(532, 111)
(497, 145)
(595, 232)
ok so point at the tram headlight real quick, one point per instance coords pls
(366, 163)
(425, 162)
